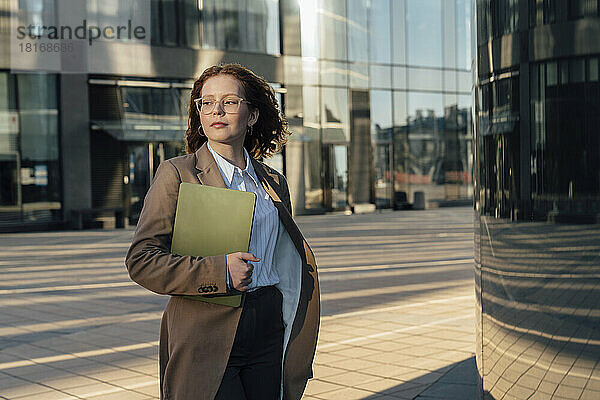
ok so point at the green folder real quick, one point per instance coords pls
(211, 221)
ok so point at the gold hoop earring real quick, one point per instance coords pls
(200, 131)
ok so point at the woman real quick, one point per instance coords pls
(263, 349)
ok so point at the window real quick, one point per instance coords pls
(246, 25)
(332, 25)
(335, 118)
(358, 32)
(380, 32)
(424, 33)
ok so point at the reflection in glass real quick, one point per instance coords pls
(425, 118)
(334, 73)
(166, 107)
(309, 28)
(335, 118)
(191, 23)
(381, 135)
(332, 27)
(36, 190)
(464, 81)
(565, 168)
(537, 202)
(381, 115)
(251, 25)
(358, 34)
(360, 159)
(398, 13)
(9, 149)
(399, 78)
(400, 143)
(38, 13)
(463, 34)
(292, 71)
(168, 22)
(359, 75)
(336, 176)
(424, 33)
(313, 181)
(381, 76)
(310, 149)
(312, 109)
(450, 81)
(424, 79)
(380, 32)
(291, 34)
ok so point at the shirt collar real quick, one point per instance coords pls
(228, 169)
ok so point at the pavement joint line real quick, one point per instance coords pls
(111, 319)
(82, 354)
(394, 289)
(51, 298)
(395, 266)
(389, 273)
(67, 287)
(46, 267)
(386, 333)
(76, 246)
(45, 253)
(116, 389)
(90, 276)
(392, 308)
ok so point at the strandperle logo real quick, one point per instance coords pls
(82, 32)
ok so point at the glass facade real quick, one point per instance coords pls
(30, 184)
(413, 58)
(537, 199)
(376, 92)
(235, 25)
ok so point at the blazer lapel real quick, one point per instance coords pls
(268, 181)
(209, 173)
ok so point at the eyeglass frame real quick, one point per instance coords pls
(198, 103)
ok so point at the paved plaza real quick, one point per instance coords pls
(397, 294)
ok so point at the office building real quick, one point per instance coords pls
(537, 199)
(377, 94)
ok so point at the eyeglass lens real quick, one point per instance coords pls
(230, 105)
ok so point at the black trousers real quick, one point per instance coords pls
(254, 368)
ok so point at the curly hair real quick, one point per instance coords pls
(270, 131)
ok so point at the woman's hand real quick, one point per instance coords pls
(240, 272)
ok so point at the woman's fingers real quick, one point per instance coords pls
(249, 257)
(240, 270)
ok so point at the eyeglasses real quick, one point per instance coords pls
(229, 104)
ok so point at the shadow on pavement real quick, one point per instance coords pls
(454, 382)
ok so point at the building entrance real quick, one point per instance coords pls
(142, 160)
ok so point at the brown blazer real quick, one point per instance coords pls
(196, 337)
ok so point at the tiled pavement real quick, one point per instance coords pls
(397, 305)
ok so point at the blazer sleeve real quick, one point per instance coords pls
(149, 260)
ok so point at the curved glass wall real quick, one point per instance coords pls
(537, 200)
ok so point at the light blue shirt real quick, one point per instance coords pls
(265, 226)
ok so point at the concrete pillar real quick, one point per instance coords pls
(75, 143)
(294, 159)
